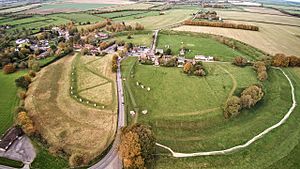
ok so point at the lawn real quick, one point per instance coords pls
(45, 160)
(185, 115)
(8, 99)
(137, 39)
(197, 46)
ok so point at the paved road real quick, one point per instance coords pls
(112, 160)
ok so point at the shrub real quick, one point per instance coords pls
(187, 67)
(26, 123)
(31, 73)
(22, 82)
(34, 65)
(9, 68)
(261, 70)
(22, 95)
(232, 107)
(240, 61)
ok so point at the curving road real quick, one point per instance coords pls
(112, 160)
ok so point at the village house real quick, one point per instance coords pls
(204, 58)
(180, 61)
(159, 51)
(102, 36)
(22, 41)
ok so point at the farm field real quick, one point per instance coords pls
(63, 121)
(18, 9)
(189, 120)
(8, 99)
(134, 6)
(161, 21)
(198, 46)
(77, 6)
(120, 14)
(138, 16)
(271, 38)
(101, 1)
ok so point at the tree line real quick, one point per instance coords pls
(221, 24)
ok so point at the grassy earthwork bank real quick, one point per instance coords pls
(11, 163)
(185, 114)
(8, 99)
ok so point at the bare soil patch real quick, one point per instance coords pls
(64, 122)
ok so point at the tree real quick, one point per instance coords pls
(251, 95)
(187, 67)
(137, 146)
(168, 52)
(26, 123)
(9, 68)
(34, 65)
(22, 82)
(280, 60)
(262, 76)
(294, 61)
(240, 61)
(232, 107)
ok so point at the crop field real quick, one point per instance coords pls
(263, 10)
(77, 6)
(191, 120)
(137, 39)
(138, 16)
(101, 1)
(63, 121)
(197, 46)
(271, 38)
(8, 99)
(134, 6)
(170, 17)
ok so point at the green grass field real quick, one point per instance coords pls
(183, 112)
(79, 17)
(8, 99)
(121, 14)
(45, 160)
(137, 39)
(78, 6)
(197, 46)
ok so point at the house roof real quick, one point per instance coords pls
(9, 137)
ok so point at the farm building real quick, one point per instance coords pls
(10, 137)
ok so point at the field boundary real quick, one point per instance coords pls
(248, 143)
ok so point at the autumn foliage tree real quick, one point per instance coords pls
(251, 95)
(137, 147)
(240, 61)
(114, 64)
(9, 68)
(232, 107)
(261, 70)
(26, 123)
(281, 60)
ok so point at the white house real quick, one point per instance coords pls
(21, 41)
(204, 58)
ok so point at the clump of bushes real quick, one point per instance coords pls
(196, 69)
(114, 63)
(221, 24)
(26, 123)
(281, 60)
(249, 98)
(261, 70)
(9, 68)
(240, 61)
(23, 82)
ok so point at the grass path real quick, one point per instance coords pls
(248, 143)
(234, 82)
